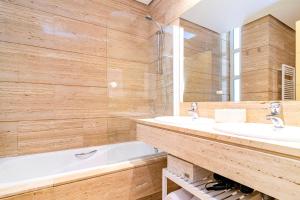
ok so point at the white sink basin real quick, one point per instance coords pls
(183, 121)
(262, 131)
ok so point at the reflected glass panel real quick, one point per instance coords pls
(237, 38)
(236, 63)
(236, 90)
(206, 63)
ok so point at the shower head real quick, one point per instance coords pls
(150, 18)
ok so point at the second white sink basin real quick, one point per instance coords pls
(262, 131)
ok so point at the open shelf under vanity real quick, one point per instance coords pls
(198, 189)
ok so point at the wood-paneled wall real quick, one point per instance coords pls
(72, 73)
(167, 11)
(206, 64)
(267, 43)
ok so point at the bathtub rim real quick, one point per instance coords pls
(8, 190)
(79, 149)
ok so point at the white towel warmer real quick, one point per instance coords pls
(288, 87)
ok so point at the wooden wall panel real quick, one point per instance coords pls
(128, 47)
(256, 60)
(8, 139)
(93, 12)
(124, 15)
(254, 84)
(267, 44)
(55, 73)
(174, 8)
(134, 85)
(23, 26)
(282, 37)
(131, 23)
(121, 129)
(37, 136)
(122, 71)
(25, 101)
(256, 34)
(23, 63)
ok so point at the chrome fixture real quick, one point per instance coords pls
(160, 43)
(160, 37)
(276, 115)
(85, 155)
(194, 110)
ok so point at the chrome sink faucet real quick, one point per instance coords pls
(276, 115)
(194, 110)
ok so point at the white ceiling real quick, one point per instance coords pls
(222, 16)
(147, 2)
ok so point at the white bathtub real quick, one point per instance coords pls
(23, 173)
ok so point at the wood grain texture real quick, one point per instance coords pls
(121, 129)
(137, 182)
(94, 12)
(135, 86)
(129, 184)
(285, 149)
(41, 29)
(206, 67)
(56, 65)
(23, 63)
(128, 47)
(38, 136)
(175, 9)
(25, 101)
(252, 167)
(8, 139)
(123, 15)
(267, 44)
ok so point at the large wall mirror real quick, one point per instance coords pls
(240, 50)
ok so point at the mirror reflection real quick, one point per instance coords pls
(243, 51)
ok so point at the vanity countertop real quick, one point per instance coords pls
(287, 149)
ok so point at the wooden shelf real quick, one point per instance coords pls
(198, 189)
